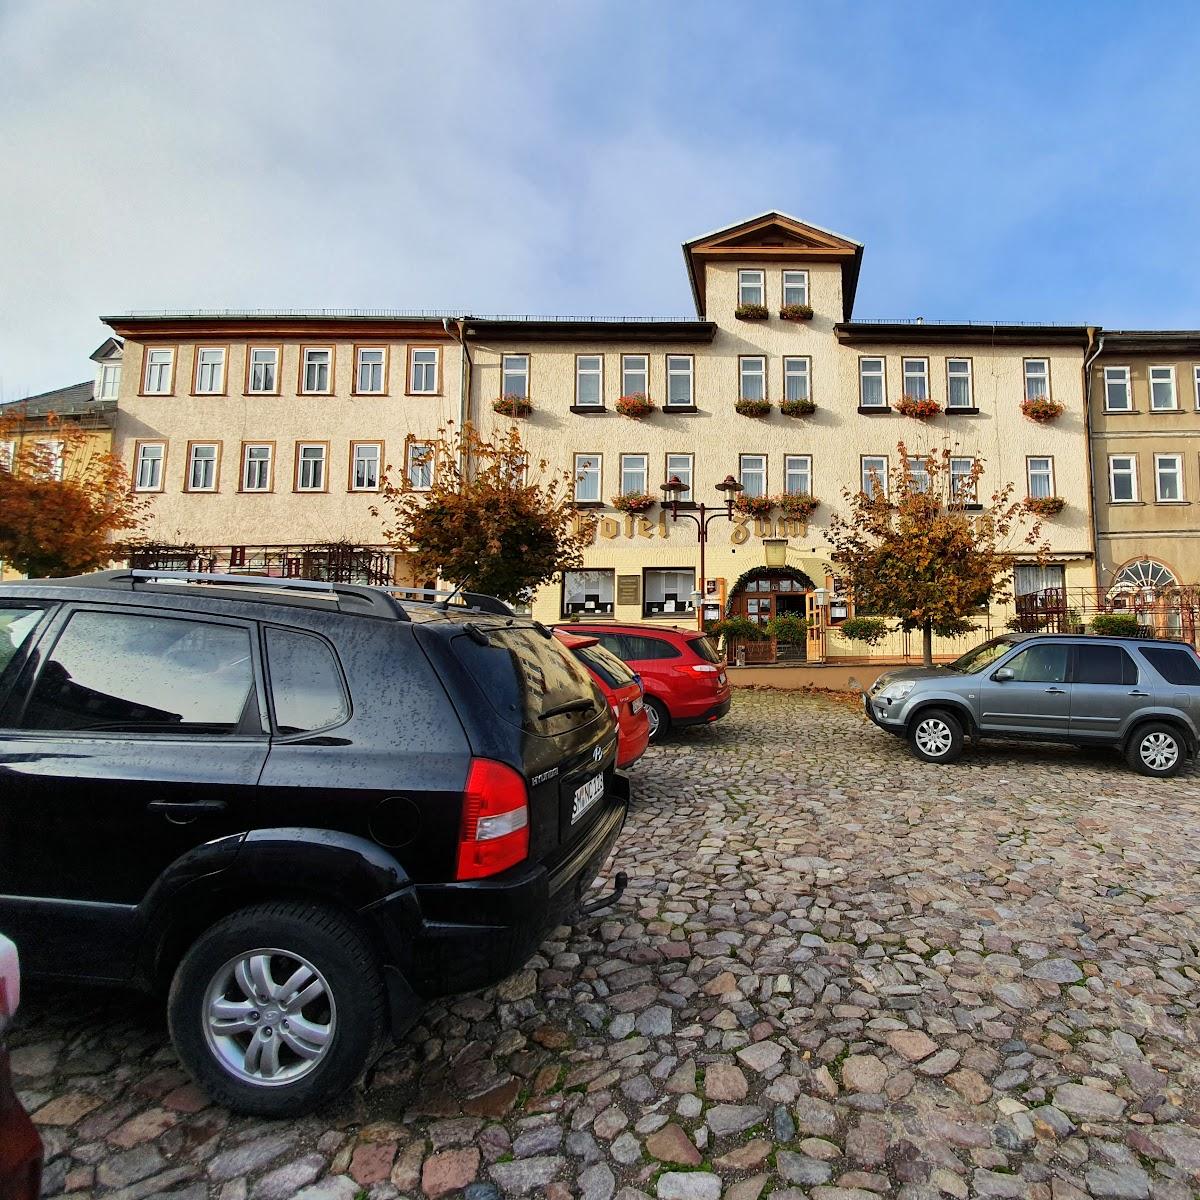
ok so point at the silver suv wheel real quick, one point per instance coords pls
(1159, 750)
(269, 1016)
(933, 736)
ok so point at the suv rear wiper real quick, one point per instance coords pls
(569, 706)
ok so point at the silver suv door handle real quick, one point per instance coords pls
(1055, 691)
(1139, 693)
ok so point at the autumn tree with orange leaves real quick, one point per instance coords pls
(64, 508)
(931, 551)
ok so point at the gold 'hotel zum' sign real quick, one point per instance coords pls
(743, 528)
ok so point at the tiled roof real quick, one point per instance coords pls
(74, 401)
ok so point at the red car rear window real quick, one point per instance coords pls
(703, 647)
(608, 666)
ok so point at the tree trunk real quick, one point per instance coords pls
(927, 643)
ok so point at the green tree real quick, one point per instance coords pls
(927, 553)
(491, 521)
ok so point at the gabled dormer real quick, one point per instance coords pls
(787, 257)
(107, 357)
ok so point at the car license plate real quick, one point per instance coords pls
(721, 677)
(585, 796)
(636, 706)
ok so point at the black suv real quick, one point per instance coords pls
(305, 808)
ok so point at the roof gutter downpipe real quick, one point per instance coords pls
(464, 382)
(1096, 339)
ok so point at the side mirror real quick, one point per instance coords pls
(1004, 674)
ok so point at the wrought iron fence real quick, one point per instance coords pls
(1172, 612)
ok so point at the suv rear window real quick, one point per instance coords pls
(703, 647)
(525, 676)
(1103, 664)
(1174, 665)
(608, 666)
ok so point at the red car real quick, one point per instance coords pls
(682, 674)
(622, 690)
(20, 1146)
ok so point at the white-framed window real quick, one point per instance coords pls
(960, 390)
(210, 370)
(1039, 474)
(752, 474)
(588, 591)
(680, 466)
(1122, 478)
(588, 478)
(1162, 389)
(514, 369)
(796, 377)
(1196, 384)
(55, 455)
(317, 369)
(1168, 477)
(634, 472)
(1117, 397)
(256, 466)
(795, 287)
(423, 370)
(8, 452)
(589, 380)
(872, 389)
(202, 467)
(667, 590)
(160, 367)
(679, 381)
(874, 474)
(635, 374)
(918, 468)
(369, 370)
(962, 487)
(797, 474)
(310, 466)
(148, 467)
(418, 466)
(916, 378)
(364, 466)
(753, 372)
(1037, 378)
(109, 382)
(264, 370)
(750, 287)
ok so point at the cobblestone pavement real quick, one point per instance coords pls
(837, 973)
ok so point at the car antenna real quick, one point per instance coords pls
(445, 603)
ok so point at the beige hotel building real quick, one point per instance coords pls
(265, 436)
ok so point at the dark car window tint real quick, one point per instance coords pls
(608, 666)
(1103, 664)
(703, 647)
(306, 686)
(641, 648)
(1175, 666)
(143, 674)
(1044, 663)
(16, 624)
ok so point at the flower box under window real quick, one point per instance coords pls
(635, 404)
(753, 408)
(797, 504)
(1044, 506)
(633, 502)
(919, 407)
(796, 312)
(751, 312)
(797, 408)
(513, 405)
(754, 506)
(1042, 409)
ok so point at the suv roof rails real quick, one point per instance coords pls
(443, 598)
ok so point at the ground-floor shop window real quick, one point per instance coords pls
(587, 592)
(668, 591)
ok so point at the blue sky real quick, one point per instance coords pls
(999, 161)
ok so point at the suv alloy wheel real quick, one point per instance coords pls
(1156, 749)
(276, 1005)
(935, 736)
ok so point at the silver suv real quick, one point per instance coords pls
(1140, 696)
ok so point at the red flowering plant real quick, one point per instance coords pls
(512, 404)
(636, 404)
(796, 312)
(1042, 409)
(754, 506)
(751, 312)
(920, 407)
(1044, 506)
(633, 502)
(798, 504)
(753, 408)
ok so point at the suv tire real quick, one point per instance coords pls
(1156, 748)
(936, 736)
(660, 719)
(277, 1008)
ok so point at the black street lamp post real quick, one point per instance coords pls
(729, 487)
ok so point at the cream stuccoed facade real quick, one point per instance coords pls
(640, 567)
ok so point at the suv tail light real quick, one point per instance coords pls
(495, 824)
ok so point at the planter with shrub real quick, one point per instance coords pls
(1116, 625)
(797, 408)
(1042, 409)
(737, 629)
(920, 409)
(797, 504)
(636, 404)
(753, 408)
(751, 312)
(871, 630)
(754, 506)
(633, 502)
(796, 312)
(1044, 506)
(512, 405)
(789, 628)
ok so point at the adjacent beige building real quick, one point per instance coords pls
(264, 436)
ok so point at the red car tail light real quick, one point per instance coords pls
(705, 669)
(495, 824)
